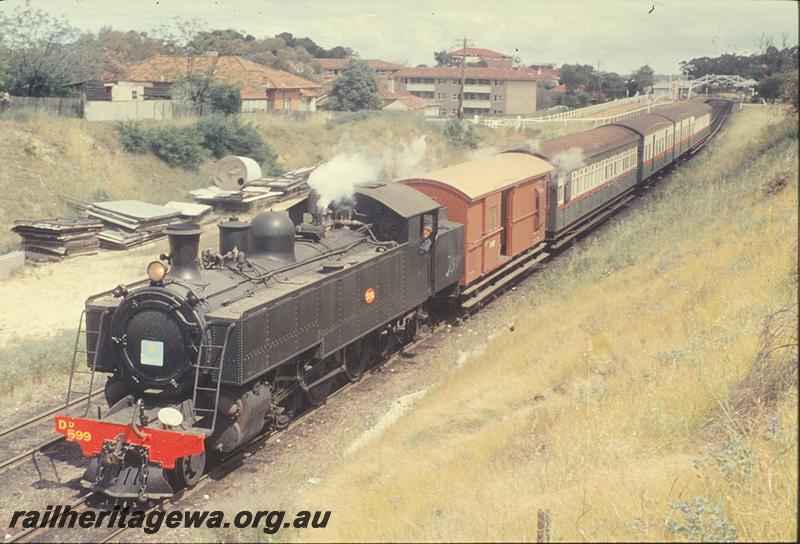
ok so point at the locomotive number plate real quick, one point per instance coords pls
(152, 353)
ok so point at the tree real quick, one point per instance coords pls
(225, 99)
(640, 80)
(612, 86)
(574, 99)
(578, 76)
(443, 58)
(790, 90)
(34, 45)
(356, 89)
(770, 88)
(110, 52)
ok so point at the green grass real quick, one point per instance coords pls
(29, 368)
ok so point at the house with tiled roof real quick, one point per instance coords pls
(474, 55)
(404, 101)
(487, 91)
(546, 72)
(332, 68)
(261, 88)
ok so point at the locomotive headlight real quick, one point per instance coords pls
(170, 417)
(156, 271)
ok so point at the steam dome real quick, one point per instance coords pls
(272, 235)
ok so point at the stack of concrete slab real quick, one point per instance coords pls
(260, 192)
(197, 213)
(131, 223)
(58, 239)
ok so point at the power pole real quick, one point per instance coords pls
(463, 72)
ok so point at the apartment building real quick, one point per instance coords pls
(332, 68)
(487, 91)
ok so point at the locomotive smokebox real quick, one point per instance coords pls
(234, 233)
(184, 242)
(272, 235)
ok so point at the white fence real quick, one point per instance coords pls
(588, 116)
(136, 110)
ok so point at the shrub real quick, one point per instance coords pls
(460, 134)
(186, 146)
(176, 146)
(132, 137)
(223, 135)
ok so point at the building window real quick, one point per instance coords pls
(454, 111)
(493, 222)
(498, 97)
(134, 95)
(455, 97)
(442, 111)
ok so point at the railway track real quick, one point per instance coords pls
(31, 422)
(223, 467)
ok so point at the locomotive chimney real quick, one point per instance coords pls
(313, 207)
(184, 242)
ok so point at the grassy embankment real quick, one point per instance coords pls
(42, 156)
(648, 391)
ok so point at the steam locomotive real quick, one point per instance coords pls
(217, 347)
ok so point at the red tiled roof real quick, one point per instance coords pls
(375, 64)
(544, 73)
(559, 89)
(472, 73)
(249, 93)
(478, 52)
(229, 69)
(414, 102)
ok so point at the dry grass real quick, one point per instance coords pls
(43, 156)
(610, 402)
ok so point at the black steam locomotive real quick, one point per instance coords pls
(218, 346)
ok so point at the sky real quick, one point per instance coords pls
(616, 35)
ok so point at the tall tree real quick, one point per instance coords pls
(443, 58)
(612, 86)
(578, 76)
(356, 89)
(770, 88)
(34, 46)
(640, 80)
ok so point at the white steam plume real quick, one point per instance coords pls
(405, 160)
(569, 160)
(335, 180)
(532, 145)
